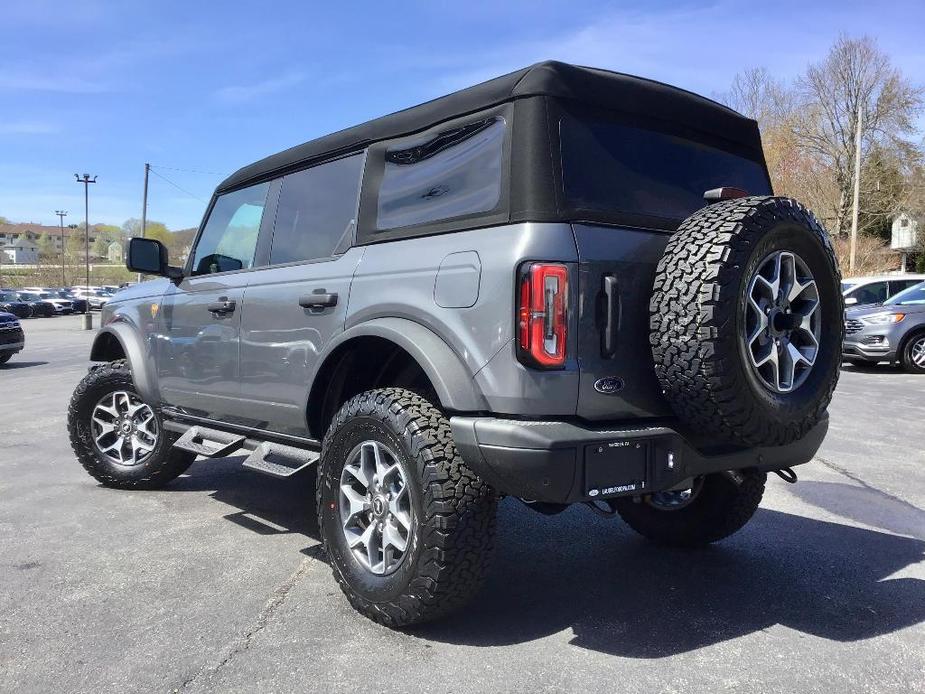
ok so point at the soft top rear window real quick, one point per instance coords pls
(637, 175)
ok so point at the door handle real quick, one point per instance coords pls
(222, 307)
(318, 301)
(611, 316)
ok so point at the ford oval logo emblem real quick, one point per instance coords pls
(608, 385)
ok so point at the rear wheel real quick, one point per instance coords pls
(913, 356)
(408, 528)
(117, 437)
(712, 508)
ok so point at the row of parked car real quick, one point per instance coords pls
(885, 320)
(45, 302)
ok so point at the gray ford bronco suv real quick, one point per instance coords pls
(564, 285)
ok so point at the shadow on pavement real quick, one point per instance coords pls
(13, 364)
(622, 596)
(875, 368)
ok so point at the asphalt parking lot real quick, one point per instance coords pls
(216, 584)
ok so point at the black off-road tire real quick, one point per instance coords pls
(163, 465)
(723, 505)
(697, 313)
(454, 510)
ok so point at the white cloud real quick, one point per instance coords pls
(239, 94)
(28, 128)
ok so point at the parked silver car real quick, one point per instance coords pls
(893, 331)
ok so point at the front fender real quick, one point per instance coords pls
(447, 372)
(136, 354)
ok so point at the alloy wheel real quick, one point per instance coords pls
(125, 429)
(375, 508)
(782, 322)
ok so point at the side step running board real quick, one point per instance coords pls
(211, 443)
(279, 460)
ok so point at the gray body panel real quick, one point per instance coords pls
(282, 343)
(448, 300)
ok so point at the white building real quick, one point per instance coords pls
(114, 252)
(905, 236)
(21, 252)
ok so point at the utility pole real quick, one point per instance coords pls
(857, 187)
(144, 206)
(86, 180)
(61, 215)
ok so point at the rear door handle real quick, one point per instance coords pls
(222, 307)
(611, 316)
(318, 301)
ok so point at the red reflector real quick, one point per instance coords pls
(542, 314)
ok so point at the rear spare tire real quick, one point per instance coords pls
(746, 321)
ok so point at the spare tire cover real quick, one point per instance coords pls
(746, 321)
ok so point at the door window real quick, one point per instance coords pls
(316, 211)
(873, 293)
(229, 239)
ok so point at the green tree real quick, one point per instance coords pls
(4, 220)
(46, 247)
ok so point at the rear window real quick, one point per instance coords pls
(625, 170)
(442, 176)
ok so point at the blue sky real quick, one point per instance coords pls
(104, 86)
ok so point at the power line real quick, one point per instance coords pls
(182, 190)
(195, 171)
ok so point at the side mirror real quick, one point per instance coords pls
(851, 301)
(149, 257)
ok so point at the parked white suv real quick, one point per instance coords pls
(859, 291)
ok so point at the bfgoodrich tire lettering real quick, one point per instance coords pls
(163, 464)
(453, 510)
(698, 314)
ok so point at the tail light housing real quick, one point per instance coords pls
(542, 315)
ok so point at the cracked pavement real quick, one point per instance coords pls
(217, 584)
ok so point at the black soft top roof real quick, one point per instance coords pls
(592, 86)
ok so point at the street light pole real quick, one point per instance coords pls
(61, 215)
(86, 180)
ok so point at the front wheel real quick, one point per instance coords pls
(407, 527)
(117, 437)
(713, 507)
(913, 356)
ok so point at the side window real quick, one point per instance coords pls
(435, 177)
(896, 286)
(229, 239)
(317, 208)
(873, 293)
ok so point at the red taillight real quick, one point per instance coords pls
(542, 314)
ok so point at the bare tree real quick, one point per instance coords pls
(856, 75)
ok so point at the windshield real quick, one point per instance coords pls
(914, 295)
(28, 296)
(6, 296)
(845, 286)
(47, 295)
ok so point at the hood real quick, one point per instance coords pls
(870, 309)
(143, 290)
(7, 317)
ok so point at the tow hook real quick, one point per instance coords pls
(787, 474)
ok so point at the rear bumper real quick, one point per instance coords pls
(564, 462)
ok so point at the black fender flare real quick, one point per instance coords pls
(136, 355)
(452, 380)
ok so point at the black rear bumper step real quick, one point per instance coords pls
(564, 462)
